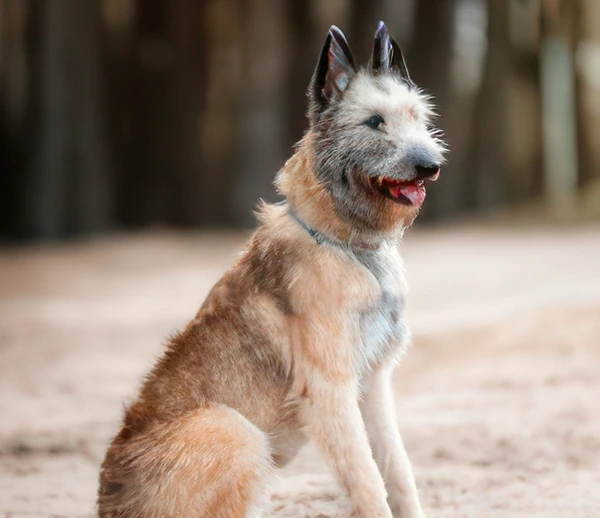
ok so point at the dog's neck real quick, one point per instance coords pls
(314, 208)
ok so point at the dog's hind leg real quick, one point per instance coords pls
(212, 462)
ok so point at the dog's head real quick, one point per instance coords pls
(374, 146)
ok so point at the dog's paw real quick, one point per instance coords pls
(404, 514)
(405, 510)
(356, 513)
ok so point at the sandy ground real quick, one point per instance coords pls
(498, 400)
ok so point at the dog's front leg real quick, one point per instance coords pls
(334, 422)
(379, 414)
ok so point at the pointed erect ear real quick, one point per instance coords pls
(387, 56)
(399, 64)
(334, 71)
(382, 51)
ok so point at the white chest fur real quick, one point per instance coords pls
(382, 330)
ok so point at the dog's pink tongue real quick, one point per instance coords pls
(415, 192)
(395, 191)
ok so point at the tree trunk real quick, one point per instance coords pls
(587, 36)
(187, 98)
(524, 144)
(69, 185)
(486, 184)
(15, 82)
(263, 126)
(365, 14)
(220, 119)
(559, 108)
(304, 44)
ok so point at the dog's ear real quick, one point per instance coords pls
(334, 71)
(399, 64)
(382, 51)
(387, 56)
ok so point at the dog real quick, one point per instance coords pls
(298, 340)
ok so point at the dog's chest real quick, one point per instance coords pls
(382, 330)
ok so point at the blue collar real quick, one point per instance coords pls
(317, 236)
(320, 238)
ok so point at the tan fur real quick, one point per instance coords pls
(295, 342)
(161, 464)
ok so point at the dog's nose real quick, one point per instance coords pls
(424, 163)
(427, 170)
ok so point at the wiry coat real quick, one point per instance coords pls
(298, 338)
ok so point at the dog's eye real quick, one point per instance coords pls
(374, 122)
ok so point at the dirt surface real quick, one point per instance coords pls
(498, 400)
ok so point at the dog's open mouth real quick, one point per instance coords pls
(409, 192)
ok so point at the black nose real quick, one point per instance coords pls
(427, 171)
(424, 163)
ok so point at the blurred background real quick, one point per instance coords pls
(133, 113)
(136, 137)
